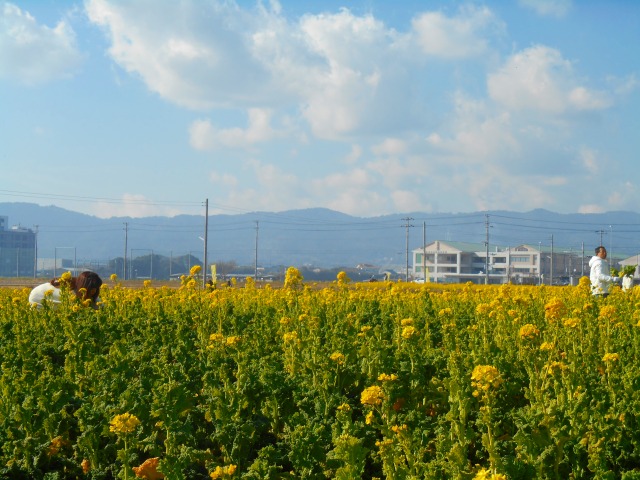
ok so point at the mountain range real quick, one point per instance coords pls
(315, 237)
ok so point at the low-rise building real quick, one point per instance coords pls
(459, 262)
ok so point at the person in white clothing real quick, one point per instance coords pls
(86, 286)
(599, 275)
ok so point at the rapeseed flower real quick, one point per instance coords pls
(369, 418)
(409, 332)
(337, 357)
(555, 367)
(571, 322)
(607, 312)
(611, 357)
(223, 472)
(529, 332)
(546, 346)
(383, 377)
(372, 396)
(485, 474)
(124, 423)
(342, 278)
(484, 378)
(554, 310)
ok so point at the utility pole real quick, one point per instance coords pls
(551, 269)
(255, 275)
(486, 260)
(206, 235)
(126, 240)
(35, 253)
(424, 251)
(407, 225)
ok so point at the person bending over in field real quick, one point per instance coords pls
(86, 286)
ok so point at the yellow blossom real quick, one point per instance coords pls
(369, 418)
(114, 277)
(554, 310)
(195, 270)
(290, 336)
(483, 474)
(405, 322)
(293, 278)
(483, 308)
(372, 396)
(86, 466)
(546, 346)
(607, 312)
(409, 332)
(571, 322)
(344, 407)
(383, 377)
(338, 358)
(343, 278)
(223, 472)
(124, 423)
(529, 331)
(484, 378)
(233, 340)
(399, 428)
(555, 367)
(611, 357)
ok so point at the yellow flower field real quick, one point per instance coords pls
(375, 380)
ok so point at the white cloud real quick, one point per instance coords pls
(340, 71)
(405, 200)
(591, 208)
(354, 155)
(133, 205)
(224, 179)
(454, 37)
(32, 53)
(204, 136)
(589, 161)
(555, 8)
(192, 53)
(478, 135)
(540, 79)
(390, 147)
(624, 86)
(583, 99)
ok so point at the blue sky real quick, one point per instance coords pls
(366, 107)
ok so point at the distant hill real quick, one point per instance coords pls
(317, 237)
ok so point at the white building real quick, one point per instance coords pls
(460, 262)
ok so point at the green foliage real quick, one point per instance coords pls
(267, 384)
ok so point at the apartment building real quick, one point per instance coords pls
(17, 250)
